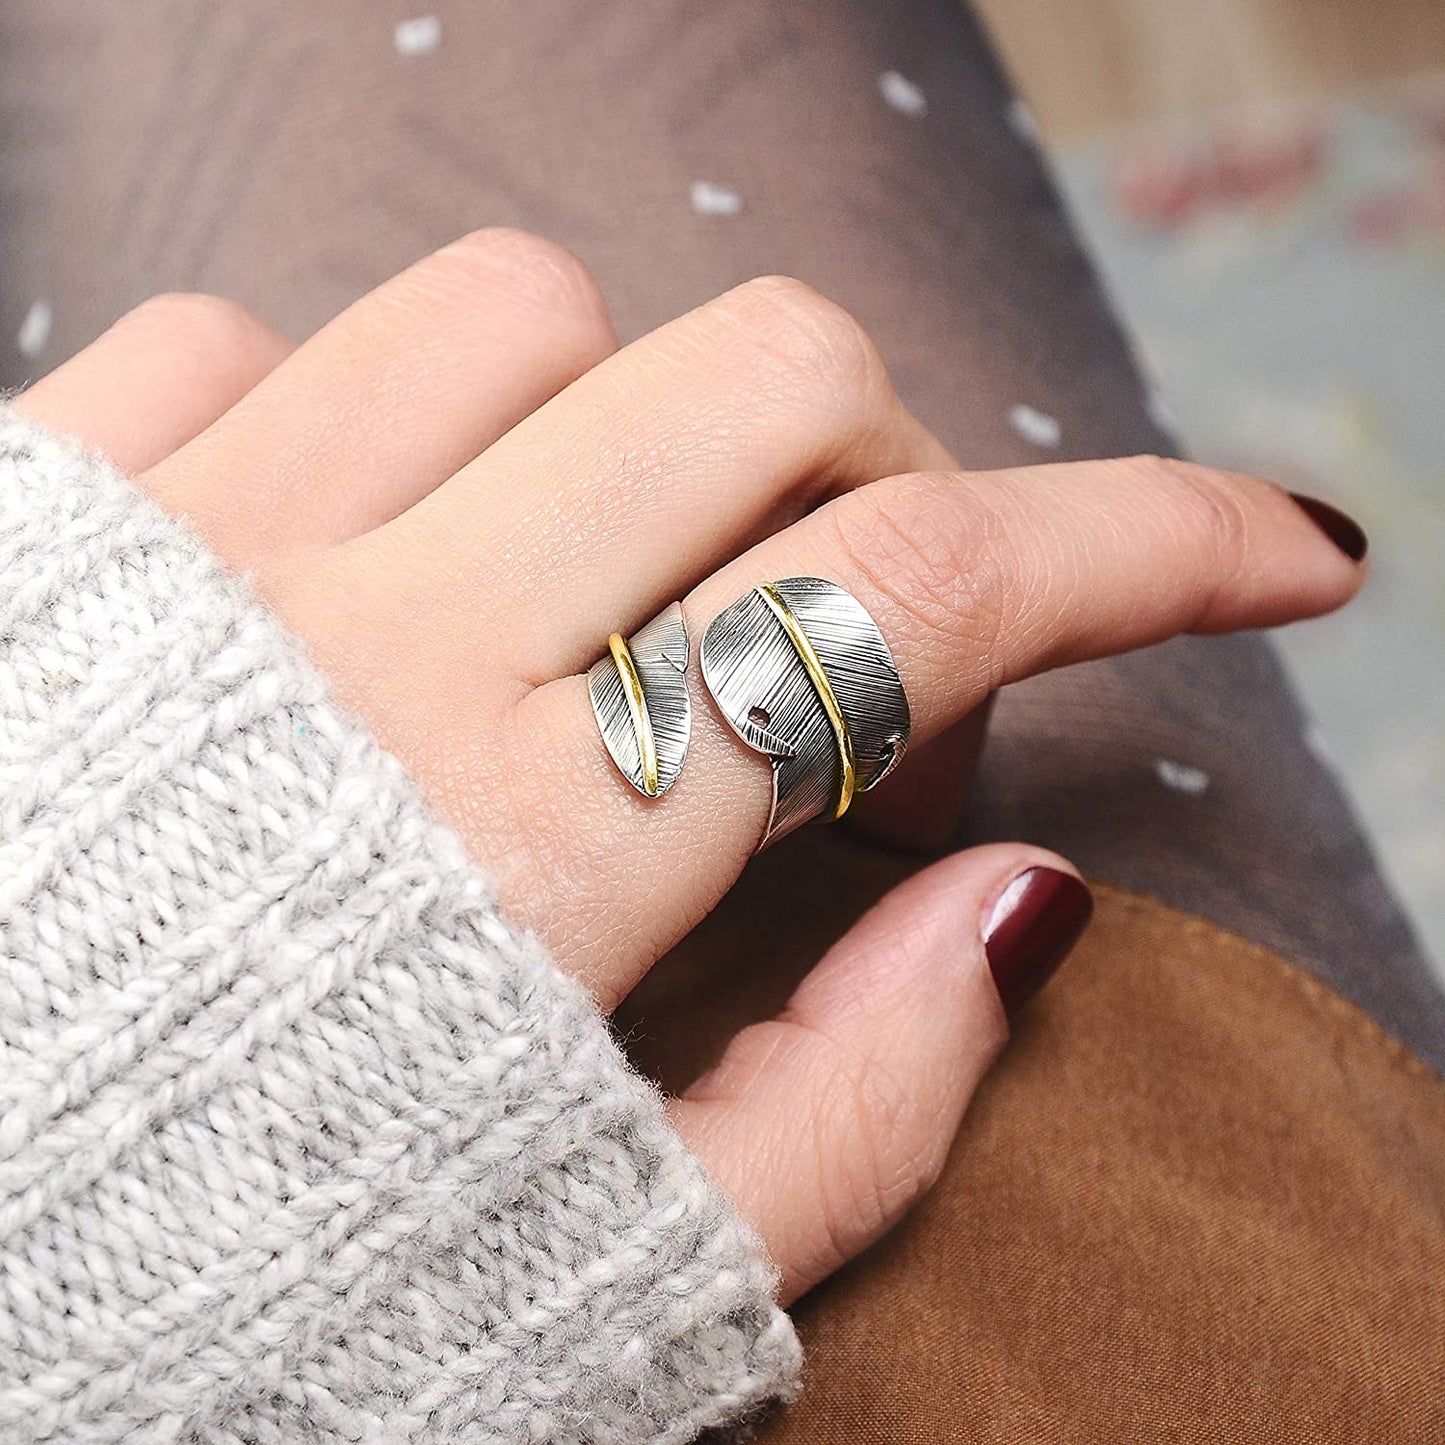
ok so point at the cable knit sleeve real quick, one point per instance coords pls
(299, 1141)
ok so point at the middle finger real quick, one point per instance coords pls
(624, 490)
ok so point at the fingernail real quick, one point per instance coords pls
(1038, 918)
(1343, 531)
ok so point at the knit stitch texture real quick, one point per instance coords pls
(299, 1141)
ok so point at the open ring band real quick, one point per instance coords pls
(802, 673)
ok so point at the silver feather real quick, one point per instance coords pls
(659, 654)
(763, 689)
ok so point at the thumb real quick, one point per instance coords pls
(826, 1123)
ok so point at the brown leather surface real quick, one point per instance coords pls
(1201, 1199)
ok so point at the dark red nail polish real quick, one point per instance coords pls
(1038, 918)
(1343, 531)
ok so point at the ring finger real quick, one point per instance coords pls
(157, 378)
(390, 398)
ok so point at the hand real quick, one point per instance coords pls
(459, 487)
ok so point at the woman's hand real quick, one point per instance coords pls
(456, 490)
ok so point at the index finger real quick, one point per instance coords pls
(974, 580)
(981, 579)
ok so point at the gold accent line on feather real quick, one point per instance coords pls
(817, 675)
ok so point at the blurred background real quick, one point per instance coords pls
(1262, 186)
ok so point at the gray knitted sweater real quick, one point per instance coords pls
(299, 1141)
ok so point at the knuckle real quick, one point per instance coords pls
(532, 267)
(200, 319)
(937, 550)
(1218, 507)
(814, 339)
(1215, 511)
(878, 1155)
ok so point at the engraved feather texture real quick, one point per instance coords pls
(659, 656)
(763, 689)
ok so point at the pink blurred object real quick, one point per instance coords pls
(1414, 211)
(1167, 187)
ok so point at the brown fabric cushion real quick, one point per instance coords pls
(1202, 1198)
